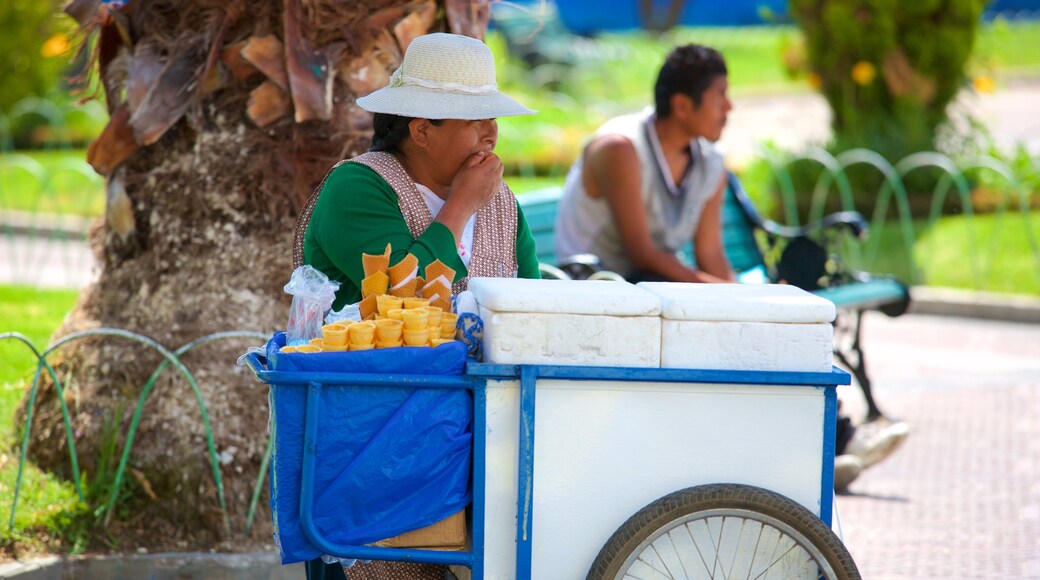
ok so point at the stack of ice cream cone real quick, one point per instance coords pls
(398, 308)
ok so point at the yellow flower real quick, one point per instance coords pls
(984, 84)
(56, 45)
(814, 81)
(863, 73)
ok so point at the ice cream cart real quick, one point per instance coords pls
(619, 431)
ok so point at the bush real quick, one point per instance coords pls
(34, 44)
(888, 68)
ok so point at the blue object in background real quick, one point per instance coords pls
(588, 17)
(390, 459)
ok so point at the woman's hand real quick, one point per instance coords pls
(477, 181)
(474, 185)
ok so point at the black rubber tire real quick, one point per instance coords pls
(751, 503)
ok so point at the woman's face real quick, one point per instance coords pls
(454, 140)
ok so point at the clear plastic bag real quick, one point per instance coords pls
(313, 294)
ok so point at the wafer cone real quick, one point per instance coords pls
(439, 295)
(388, 330)
(375, 283)
(437, 269)
(419, 283)
(368, 307)
(405, 290)
(362, 333)
(416, 319)
(334, 334)
(416, 337)
(448, 322)
(415, 302)
(407, 268)
(435, 313)
(386, 302)
(372, 263)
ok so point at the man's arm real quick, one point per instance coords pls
(707, 240)
(612, 171)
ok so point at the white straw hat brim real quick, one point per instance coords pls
(426, 103)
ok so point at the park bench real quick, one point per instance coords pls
(804, 256)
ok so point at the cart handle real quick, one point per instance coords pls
(256, 363)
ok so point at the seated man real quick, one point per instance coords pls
(648, 183)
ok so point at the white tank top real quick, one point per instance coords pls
(584, 225)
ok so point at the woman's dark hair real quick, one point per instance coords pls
(390, 130)
(688, 70)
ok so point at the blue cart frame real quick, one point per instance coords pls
(475, 380)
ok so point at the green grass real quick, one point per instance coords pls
(48, 508)
(56, 181)
(945, 251)
(1001, 49)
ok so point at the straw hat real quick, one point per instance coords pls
(444, 76)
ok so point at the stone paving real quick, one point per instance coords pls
(961, 499)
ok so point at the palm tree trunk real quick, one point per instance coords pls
(225, 115)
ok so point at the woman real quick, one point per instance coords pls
(430, 185)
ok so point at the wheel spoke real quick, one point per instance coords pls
(685, 549)
(764, 551)
(669, 556)
(699, 529)
(644, 571)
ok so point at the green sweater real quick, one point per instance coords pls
(357, 212)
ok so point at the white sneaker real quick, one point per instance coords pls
(846, 469)
(874, 441)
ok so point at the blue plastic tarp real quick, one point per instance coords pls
(389, 459)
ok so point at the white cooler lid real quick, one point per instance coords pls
(740, 303)
(602, 297)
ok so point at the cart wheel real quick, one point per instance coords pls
(724, 531)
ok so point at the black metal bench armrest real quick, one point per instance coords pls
(852, 220)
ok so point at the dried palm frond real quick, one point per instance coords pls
(237, 65)
(145, 67)
(468, 17)
(119, 212)
(170, 96)
(115, 144)
(371, 70)
(267, 103)
(81, 10)
(310, 80)
(182, 77)
(417, 23)
(267, 54)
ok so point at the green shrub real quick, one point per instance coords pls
(35, 41)
(888, 69)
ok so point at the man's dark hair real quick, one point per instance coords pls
(388, 131)
(688, 70)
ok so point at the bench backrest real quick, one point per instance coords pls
(737, 227)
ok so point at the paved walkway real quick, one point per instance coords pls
(961, 499)
(791, 122)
